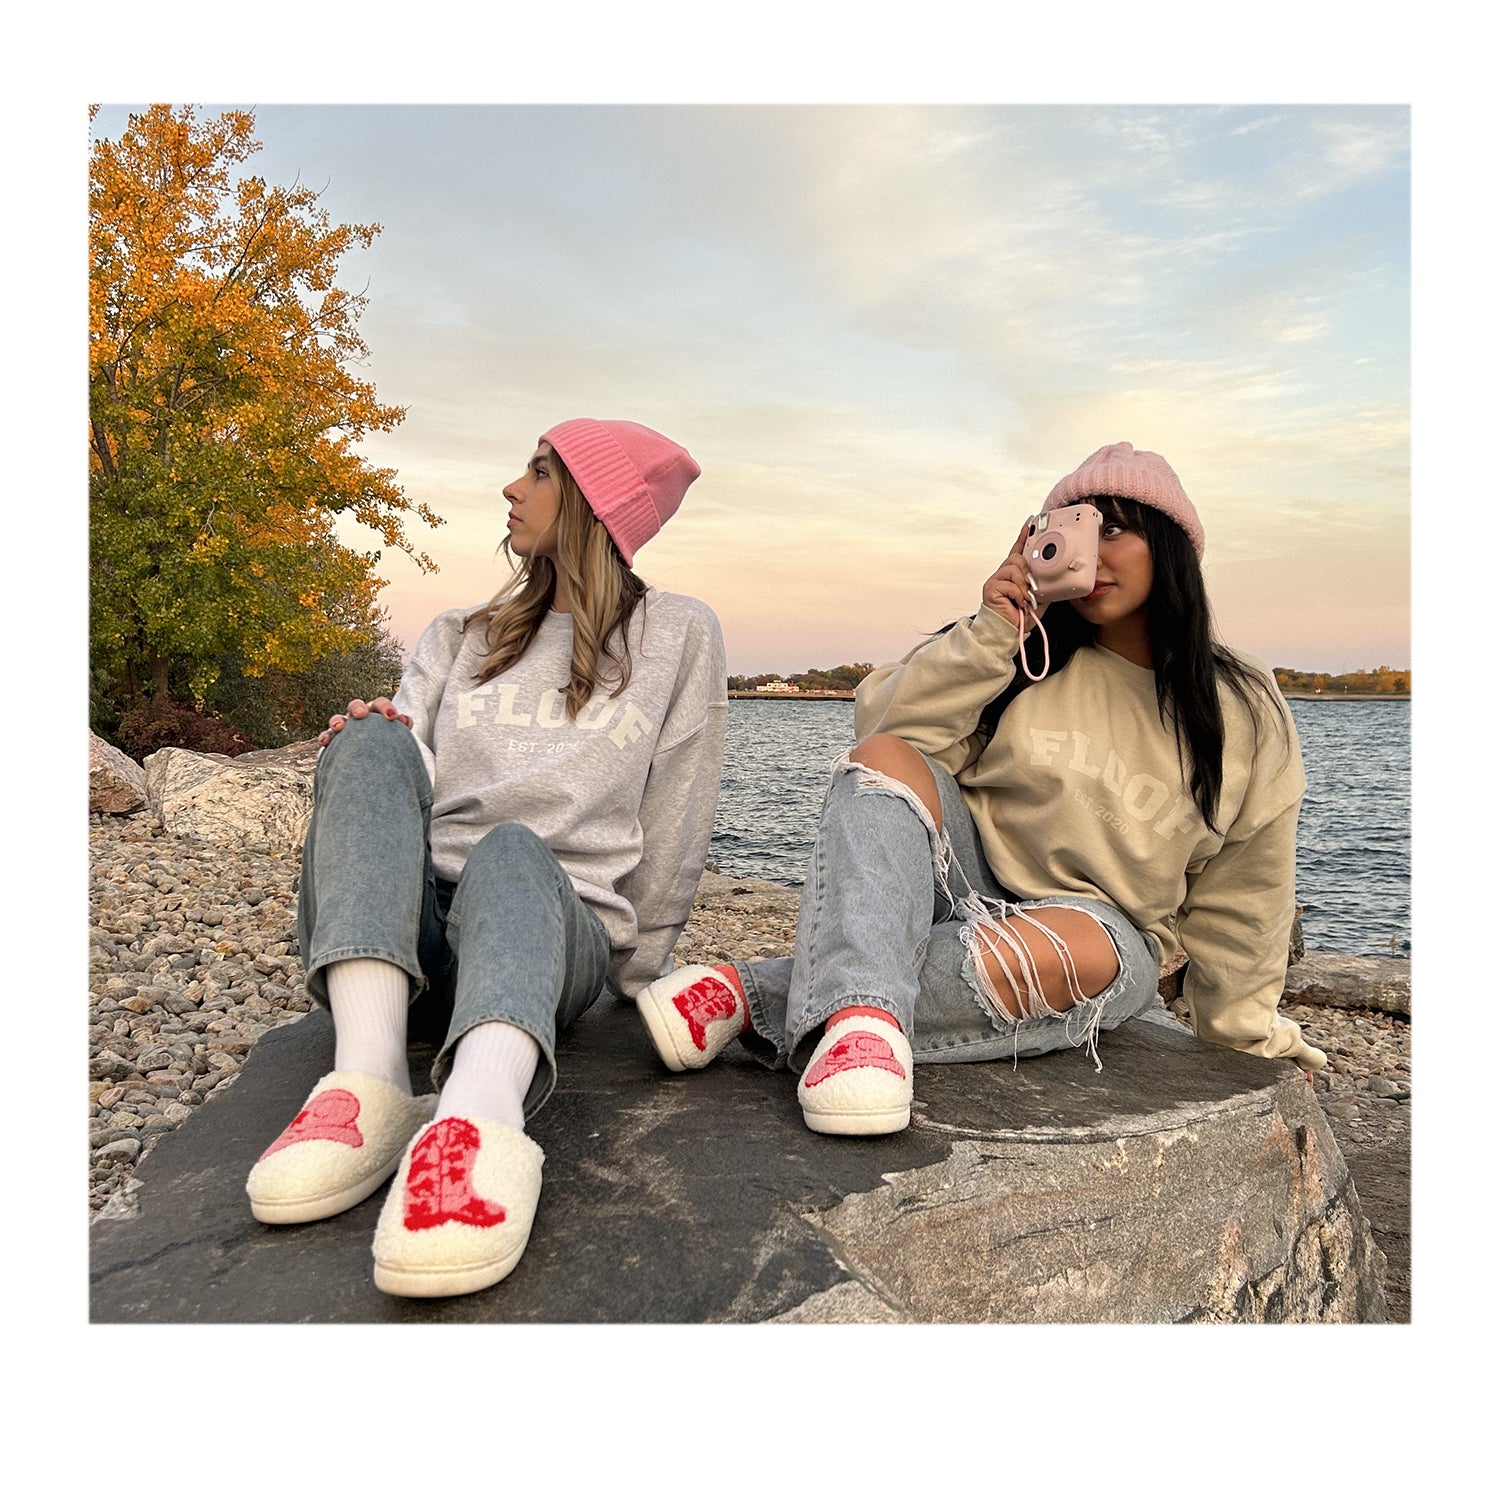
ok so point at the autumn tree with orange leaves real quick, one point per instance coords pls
(224, 419)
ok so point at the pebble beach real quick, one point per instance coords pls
(193, 956)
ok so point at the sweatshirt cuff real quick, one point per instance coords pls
(994, 630)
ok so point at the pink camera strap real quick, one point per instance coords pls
(1036, 620)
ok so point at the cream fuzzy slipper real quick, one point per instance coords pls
(692, 1014)
(858, 1080)
(345, 1141)
(460, 1211)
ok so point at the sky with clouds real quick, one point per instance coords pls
(884, 332)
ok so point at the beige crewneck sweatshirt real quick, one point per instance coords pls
(1081, 793)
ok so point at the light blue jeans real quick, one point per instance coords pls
(509, 941)
(880, 924)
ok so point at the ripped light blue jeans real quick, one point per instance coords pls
(892, 916)
(509, 941)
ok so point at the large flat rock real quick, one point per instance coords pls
(1183, 1183)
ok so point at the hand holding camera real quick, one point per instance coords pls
(1007, 591)
(1055, 557)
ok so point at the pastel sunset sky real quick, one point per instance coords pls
(885, 331)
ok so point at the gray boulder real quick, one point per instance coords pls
(264, 796)
(301, 757)
(116, 783)
(1197, 1186)
(1351, 982)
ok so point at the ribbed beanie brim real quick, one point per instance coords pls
(633, 477)
(1130, 474)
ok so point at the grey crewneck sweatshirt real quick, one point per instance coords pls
(624, 798)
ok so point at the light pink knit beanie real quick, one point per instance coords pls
(633, 478)
(1130, 474)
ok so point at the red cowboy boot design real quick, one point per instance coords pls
(701, 1004)
(859, 1049)
(439, 1185)
(328, 1116)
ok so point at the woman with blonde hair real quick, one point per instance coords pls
(523, 824)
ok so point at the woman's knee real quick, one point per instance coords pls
(891, 756)
(510, 847)
(371, 742)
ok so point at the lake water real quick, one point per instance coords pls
(1353, 842)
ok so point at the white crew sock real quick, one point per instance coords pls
(492, 1069)
(368, 998)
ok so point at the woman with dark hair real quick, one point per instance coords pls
(1005, 866)
(524, 823)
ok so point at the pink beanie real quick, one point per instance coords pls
(1130, 474)
(633, 478)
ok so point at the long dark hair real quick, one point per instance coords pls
(1188, 659)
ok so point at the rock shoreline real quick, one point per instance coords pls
(193, 957)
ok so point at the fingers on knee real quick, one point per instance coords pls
(370, 731)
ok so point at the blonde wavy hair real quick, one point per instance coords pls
(602, 590)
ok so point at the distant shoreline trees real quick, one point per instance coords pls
(1378, 681)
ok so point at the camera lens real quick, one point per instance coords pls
(1049, 551)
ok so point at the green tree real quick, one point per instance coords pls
(224, 420)
(276, 707)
